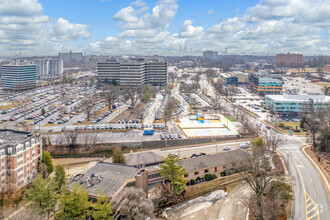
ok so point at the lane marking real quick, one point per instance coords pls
(306, 196)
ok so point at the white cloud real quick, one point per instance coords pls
(127, 14)
(210, 12)
(138, 3)
(187, 30)
(63, 30)
(24, 28)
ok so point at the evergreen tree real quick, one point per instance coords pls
(47, 160)
(60, 177)
(102, 208)
(302, 121)
(173, 172)
(73, 203)
(118, 156)
(41, 196)
(43, 111)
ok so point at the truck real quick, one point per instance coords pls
(148, 131)
(115, 105)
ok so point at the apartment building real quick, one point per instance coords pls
(20, 153)
(293, 104)
(210, 54)
(135, 72)
(49, 68)
(265, 85)
(289, 60)
(18, 76)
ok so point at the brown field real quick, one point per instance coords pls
(9, 105)
(130, 114)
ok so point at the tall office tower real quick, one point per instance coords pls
(18, 76)
(289, 60)
(133, 72)
(42, 68)
(55, 68)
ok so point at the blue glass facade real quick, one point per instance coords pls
(18, 77)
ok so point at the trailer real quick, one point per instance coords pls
(148, 131)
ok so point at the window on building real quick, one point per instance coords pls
(196, 173)
(206, 171)
(216, 169)
(186, 175)
(224, 167)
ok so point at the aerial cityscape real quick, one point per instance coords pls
(166, 109)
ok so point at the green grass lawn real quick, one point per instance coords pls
(230, 118)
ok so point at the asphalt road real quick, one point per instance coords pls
(311, 200)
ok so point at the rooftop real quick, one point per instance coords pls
(143, 158)
(268, 79)
(12, 137)
(208, 161)
(300, 97)
(111, 177)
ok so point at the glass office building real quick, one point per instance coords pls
(18, 77)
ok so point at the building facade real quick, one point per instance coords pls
(265, 85)
(18, 76)
(294, 103)
(71, 56)
(133, 72)
(20, 153)
(55, 68)
(42, 66)
(289, 60)
(49, 68)
(326, 68)
(235, 78)
(210, 54)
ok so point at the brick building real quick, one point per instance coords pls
(20, 153)
(289, 60)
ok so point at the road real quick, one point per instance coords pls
(311, 200)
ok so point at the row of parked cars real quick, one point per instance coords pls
(180, 107)
(160, 111)
(105, 114)
(205, 99)
(185, 98)
(170, 136)
(36, 108)
(145, 111)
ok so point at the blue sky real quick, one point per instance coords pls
(114, 27)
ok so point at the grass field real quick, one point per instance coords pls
(6, 106)
(230, 118)
(291, 124)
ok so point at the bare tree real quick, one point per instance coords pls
(71, 139)
(136, 205)
(273, 139)
(89, 138)
(168, 111)
(133, 93)
(326, 90)
(209, 73)
(258, 175)
(88, 105)
(110, 93)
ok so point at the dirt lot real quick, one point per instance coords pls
(130, 114)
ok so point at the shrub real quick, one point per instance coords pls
(192, 182)
(198, 178)
(287, 127)
(296, 130)
(230, 172)
(209, 177)
(281, 125)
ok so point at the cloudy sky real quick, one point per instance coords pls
(114, 27)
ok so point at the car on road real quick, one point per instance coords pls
(63, 129)
(50, 130)
(226, 148)
(162, 136)
(179, 136)
(244, 145)
(268, 127)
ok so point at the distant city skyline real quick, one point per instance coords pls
(164, 27)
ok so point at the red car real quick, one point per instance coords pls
(268, 127)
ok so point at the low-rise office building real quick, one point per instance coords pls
(238, 78)
(134, 72)
(265, 85)
(20, 153)
(293, 104)
(214, 164)
(18, 76)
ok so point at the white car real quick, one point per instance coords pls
(226, 148)
(244, 145)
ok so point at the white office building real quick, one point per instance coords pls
(136, 71)
(49, 68)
